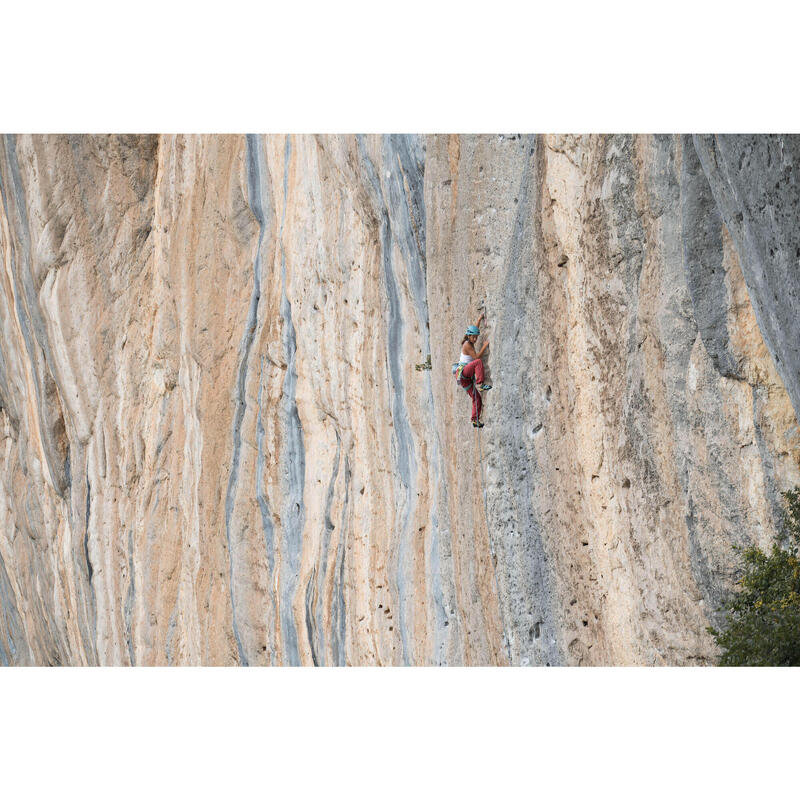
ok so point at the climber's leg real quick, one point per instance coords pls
(477, 403)
(474, 394)
(475, 369)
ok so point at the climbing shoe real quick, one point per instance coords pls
(477, 424)
(485, 386)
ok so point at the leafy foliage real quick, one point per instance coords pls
(763, 621)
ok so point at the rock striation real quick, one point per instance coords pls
(215, 448)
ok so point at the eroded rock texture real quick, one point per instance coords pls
(216, 449)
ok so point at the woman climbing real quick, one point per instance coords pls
(469, 370)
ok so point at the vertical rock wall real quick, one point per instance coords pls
(638, 426)
(216, 449)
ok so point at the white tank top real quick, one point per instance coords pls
(465, 359)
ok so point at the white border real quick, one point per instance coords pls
(461, 733)
(411, 66)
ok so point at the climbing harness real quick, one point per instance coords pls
(458, 367)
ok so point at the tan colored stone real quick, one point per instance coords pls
(215, 448)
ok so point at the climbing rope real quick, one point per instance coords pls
(506, 642)
(482, 307)
(482, 465)
(483, 486)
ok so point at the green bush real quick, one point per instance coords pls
(762, 626)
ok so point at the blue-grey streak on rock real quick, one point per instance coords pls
(755, 181)
(767, 457)
(171, 627)
(683, 281)
(687, 208)
(677, 327)
(263, 503)
(89, 569)
(701, 281)
(255, 170)
(77, 511)
(707, 570)
(21, 228)
(6, 396)
(710, 575)
(128, 610)
(31, 321)
(406, 192)
(311, 623)
(37, 346)
(515, 529)
(406, 201)
(405, 204)
(292, 461)
(703, 254)
(404, 457)
(625, 217)
(68, 469)
(676, 324)
(338, 619)
(12, 625)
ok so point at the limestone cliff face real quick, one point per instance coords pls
(216, 449)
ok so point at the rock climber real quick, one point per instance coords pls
(469, 370)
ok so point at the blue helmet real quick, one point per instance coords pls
(473, 331)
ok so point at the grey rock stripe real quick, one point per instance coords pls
(129, 597)
(14, 635)
(515, 528)
(311, 624)
(255, 168)
(293, 465)
(701, 236)
(338, 617)
(404, 460)
(405, 188)
(37, 346)
(755, 181)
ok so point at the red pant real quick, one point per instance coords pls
(473, 370)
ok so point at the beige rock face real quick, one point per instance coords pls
(216, 449)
